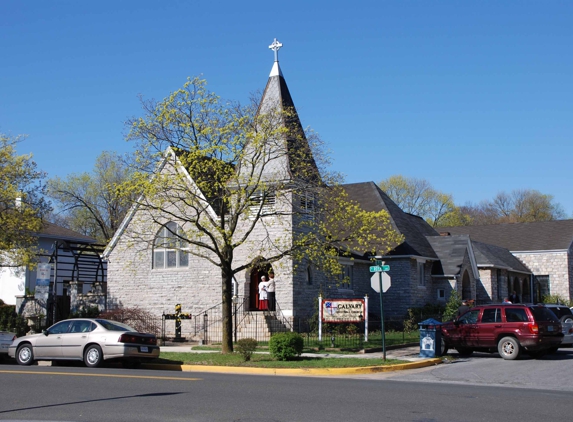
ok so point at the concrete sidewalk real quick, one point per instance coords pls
(409, 353)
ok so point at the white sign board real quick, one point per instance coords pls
(342, 310)
(42, 281)
(375, 282)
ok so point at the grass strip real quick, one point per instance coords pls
(266, 361)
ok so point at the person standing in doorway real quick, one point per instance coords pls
(263, 296)
(271, 292)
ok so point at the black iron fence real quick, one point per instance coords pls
(207, 328)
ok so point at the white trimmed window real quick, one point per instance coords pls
(169, 250)
(307, 205)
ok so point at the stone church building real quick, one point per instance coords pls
(425, 268)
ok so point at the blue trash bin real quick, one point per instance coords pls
(430, 338)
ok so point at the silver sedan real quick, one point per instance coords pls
(91, 340)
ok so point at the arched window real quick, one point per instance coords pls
(169, 250)
(309, 275)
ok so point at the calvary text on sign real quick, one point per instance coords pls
(342, 310)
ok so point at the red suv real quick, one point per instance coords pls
(506, 329)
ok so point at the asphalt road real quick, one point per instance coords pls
(552, 372)
(467, 390)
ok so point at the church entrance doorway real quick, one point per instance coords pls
(256, 273)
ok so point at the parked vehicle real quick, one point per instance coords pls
(6, 338)
(506, 329)
(91, 340)
(565, 315)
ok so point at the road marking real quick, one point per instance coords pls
(84, 374)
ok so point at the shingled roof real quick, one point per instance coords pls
(413, 228)
(301, 163)
(57, 232)
(535, 236)
(496, 256)
(451, 250)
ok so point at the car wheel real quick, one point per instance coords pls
(25, 355)
(508, 348)
(553, 349)
(566, 319)
(464, 351)
(93, 356)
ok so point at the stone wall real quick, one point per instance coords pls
(557, 265)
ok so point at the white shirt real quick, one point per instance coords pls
(271, 285)
(263, 290)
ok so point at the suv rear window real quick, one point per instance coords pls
(541, 313)
(560, 311)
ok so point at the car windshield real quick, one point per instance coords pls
(114, 325)
(541, 313)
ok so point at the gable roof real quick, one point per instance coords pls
(413, 228)
(498, 257)
(535, 236)
(53, 231)
(452, 251)
(169, 155)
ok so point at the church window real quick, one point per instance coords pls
(263, 201)
(307, 205)
(170, 251)
(421, 273)
(309, 275)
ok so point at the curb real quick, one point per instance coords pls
(296, 372)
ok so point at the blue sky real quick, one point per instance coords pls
(474, 97)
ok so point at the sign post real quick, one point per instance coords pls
(380, 268)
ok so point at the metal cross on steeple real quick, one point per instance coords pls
(276, 46)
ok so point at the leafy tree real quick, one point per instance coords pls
(94, 203)
(417, 196)
(518, 206)
(254, 174)
(22, 205)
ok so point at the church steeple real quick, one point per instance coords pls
(276, 95)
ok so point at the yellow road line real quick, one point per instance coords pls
(84, 374)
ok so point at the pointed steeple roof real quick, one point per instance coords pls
(301, 163)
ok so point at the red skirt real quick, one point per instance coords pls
(263, 305)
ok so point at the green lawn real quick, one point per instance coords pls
(266, 361)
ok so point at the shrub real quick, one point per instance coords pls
(86, 312)
(246, 347)
(286, 346)
(452, 306)
(557, 299)
(142, 321)
(11, 321)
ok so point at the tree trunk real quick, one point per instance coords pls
(227, 280)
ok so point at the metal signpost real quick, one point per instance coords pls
(380, 268)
